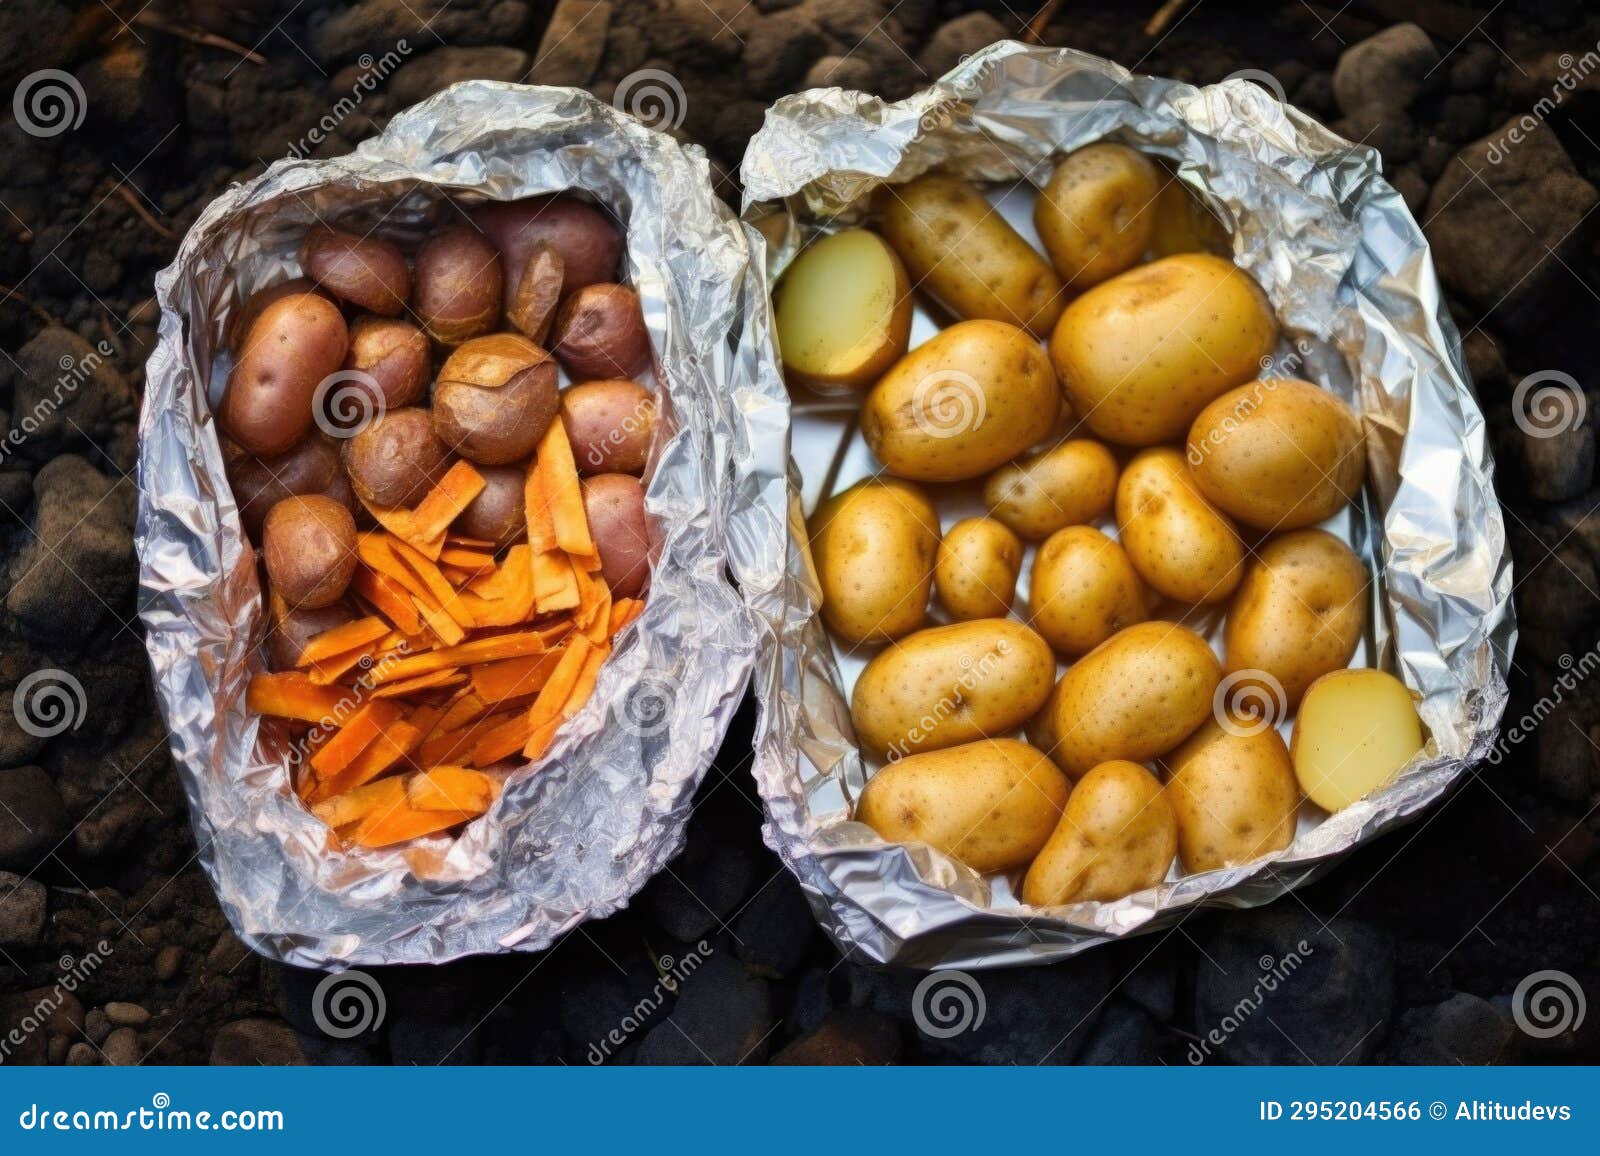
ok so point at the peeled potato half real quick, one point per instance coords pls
(843, 312)
(1355, 729)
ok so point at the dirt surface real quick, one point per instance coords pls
(112, 949)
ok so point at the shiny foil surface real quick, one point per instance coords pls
(574, 836)
(1350, 276)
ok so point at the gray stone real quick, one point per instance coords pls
(97, 1026)
(121, 1049)
(66, 392)
(127, 1015)
(1276, 986)
(1499, 211)
(1125, 1035)
(723, 1016)
(780, 50)
(1461, 1030)
(256, 1042)
(23, 905)
(1558, 463)
(848, 72)
(775, 928)
(847, 1036)
(380, 26)
(1383, 74)
(59, 1046)
(82, 1055)
(422, 76)
(168, 959)
(32, 819)
(573, 43)
(957, 39)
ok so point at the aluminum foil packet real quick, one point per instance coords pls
(574, 836)
(1349, 274)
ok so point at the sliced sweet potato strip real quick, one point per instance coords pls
(560, 492)
(502, 741)
(539, 740)
(442, 624)
(431, 681)
(561, 681)
(402, 525)
(334, 669)
(468, 543)
(489, 649)
(467, 709)
(292, 694)
(384, 829)
(509, 579)
(500, 611)
(443, 504)
(346, 636)
(433, 582)
(624, 611)
(385, 751)
(450, 746)
(513, 677)
(376, 797)
(350, 740)
(587, 676)
(388, 598)
(554, 586)
(450, 788)
(475, 561)
(536, 506)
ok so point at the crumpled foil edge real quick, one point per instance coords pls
(1350, 274)
(576, 838)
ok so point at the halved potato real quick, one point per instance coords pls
(843, 312)
(1355, 729)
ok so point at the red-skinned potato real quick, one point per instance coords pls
(311, 467)
(397, 459)
(395, 354)
(615, 506)
(610, 425)
(600, 332)
(309, 546)
(495, 398)
(584, 236)
(457, 285)
(288, 630)
(532, 303)
(244, 317)
(294, 343)
(497, 514)
(366, 271)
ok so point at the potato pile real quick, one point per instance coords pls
(445, 573)
(1104, 402)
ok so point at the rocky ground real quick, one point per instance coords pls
(1412, 951)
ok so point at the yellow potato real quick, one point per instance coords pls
(1177, 542)
(973, 396)
(1135, 696)
(1116, 836)
(1298, 615)
(1355, 729)
(1278, 454)
(967, 257)
(1183, 224)
(951, 684)
(873, 547)
(1083, 590)
(1096, 214)
(1070, 484)
(1140, 355)
(842, 312)
(975, 571)
(1234, 793)
(991, 804)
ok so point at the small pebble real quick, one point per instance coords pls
(122, 1048)
(127, 1015)
(58, 1048)
(82, 1055)
(96, 1026)
(167, 961)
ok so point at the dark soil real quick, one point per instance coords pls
(1414, 946)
